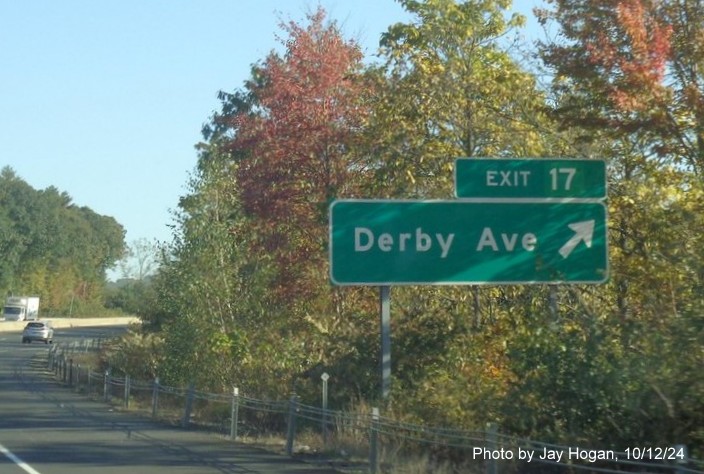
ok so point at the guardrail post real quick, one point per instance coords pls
(50, 358)
(374, 442)
(90, 376)
(234, 413)
(70, 372)
(127, 391)
(190, 395)
(325, 377)
(106, 386)
(155, 397)
(78, 377)
(491, 465)
(291, 432)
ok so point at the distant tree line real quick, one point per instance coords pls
(53, 248)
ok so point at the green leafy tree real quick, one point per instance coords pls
(53, 248)
(449, 89)
(14, 239)
(201, 307)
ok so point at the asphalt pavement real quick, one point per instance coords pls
(47, 429)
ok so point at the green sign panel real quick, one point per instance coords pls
(376, 242)
(525, 179)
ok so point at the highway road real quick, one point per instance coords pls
(47, 429)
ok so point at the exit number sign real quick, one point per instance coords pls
(522, 179)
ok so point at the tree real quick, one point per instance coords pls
(13, 241)
(293, 148)
(53, 248)
(141, 260)
(449, 89)
(632, 68)
(203, 290)
(627, 79)
(243, 290)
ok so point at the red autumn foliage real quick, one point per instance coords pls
(636, 59)
(632, 66)
(617, 48)
(295, 144)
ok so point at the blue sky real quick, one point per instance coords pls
(105, 99)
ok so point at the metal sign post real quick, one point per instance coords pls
(385, 305)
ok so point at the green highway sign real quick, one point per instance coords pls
(378, 242)
(525, 179)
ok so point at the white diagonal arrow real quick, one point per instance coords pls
(583, 231)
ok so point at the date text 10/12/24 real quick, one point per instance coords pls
(671, 453)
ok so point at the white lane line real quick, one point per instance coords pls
(20, 463)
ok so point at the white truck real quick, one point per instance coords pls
(20, 308)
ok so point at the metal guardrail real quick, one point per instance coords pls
(371, 439)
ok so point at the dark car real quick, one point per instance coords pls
(38, 331)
